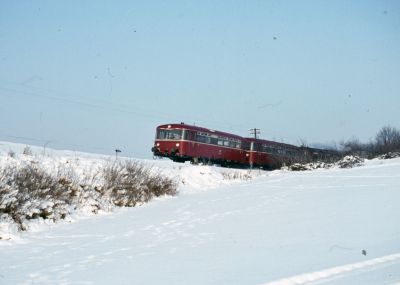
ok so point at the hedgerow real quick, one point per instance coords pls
(30, 191)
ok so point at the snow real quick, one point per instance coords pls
(278, 227)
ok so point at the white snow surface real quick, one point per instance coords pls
(326, 226)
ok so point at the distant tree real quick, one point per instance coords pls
(387, 139)
(351, 145)
(303, 142)
(354, 147)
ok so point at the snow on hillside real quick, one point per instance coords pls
(326, 226)
(85, 171)
(196, 178)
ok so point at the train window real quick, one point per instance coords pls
(186, 135)
(271, 149)
(216, 140)
(201, 138)
(246, 145)
(192, 135)
(164, 134)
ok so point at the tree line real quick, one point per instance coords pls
(387, 140)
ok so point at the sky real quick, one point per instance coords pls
(99, 75)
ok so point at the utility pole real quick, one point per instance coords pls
(255, 132)
(44, 147)
(116, 153)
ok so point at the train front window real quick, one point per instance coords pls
(164, 134)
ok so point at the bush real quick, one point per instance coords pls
(128, 183)
(298, 167)
(346, 162)
(390, 155)
(29, 192)
(350, 161)
(236, 175)
(308, 166)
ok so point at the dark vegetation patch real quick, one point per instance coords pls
(28, 191)
(385, 145)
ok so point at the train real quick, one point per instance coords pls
(182, 142)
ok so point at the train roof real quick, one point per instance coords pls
(272, 143)
(199, 129)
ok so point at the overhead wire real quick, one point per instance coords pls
(110, 106)
(59, 143)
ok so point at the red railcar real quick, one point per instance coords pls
(182, 142)
(269, 154)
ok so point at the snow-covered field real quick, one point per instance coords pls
(326, 226)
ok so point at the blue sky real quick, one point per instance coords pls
(96, 75)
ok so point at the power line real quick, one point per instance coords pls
(81, 103)
(143, 113)
(58, 143)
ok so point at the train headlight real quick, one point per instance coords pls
(177, 144)
(157, 144)
(247, 154)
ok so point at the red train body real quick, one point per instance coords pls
(182, 142)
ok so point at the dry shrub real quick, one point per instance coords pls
(346, 162)
(29, 191)
(390, 155)
(128, 183)
(298, 167)
(350, 161)
(236, 175)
